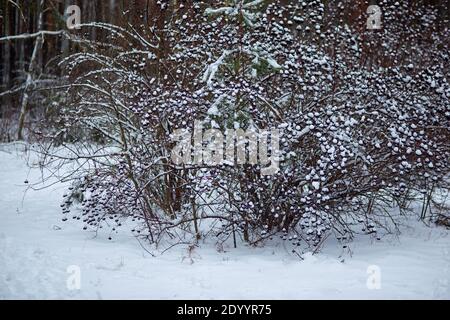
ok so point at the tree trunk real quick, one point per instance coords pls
(30, 74)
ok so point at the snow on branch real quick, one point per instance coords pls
(253, 4)
(224, 10)
(233, 10)
(119, 31)
(32, 35)
(212, 69)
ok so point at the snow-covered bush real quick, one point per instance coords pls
(364, 115)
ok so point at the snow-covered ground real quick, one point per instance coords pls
(36, 250)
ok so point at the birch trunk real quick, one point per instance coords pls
(30, 74)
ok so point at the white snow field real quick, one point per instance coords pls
(37, 248)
